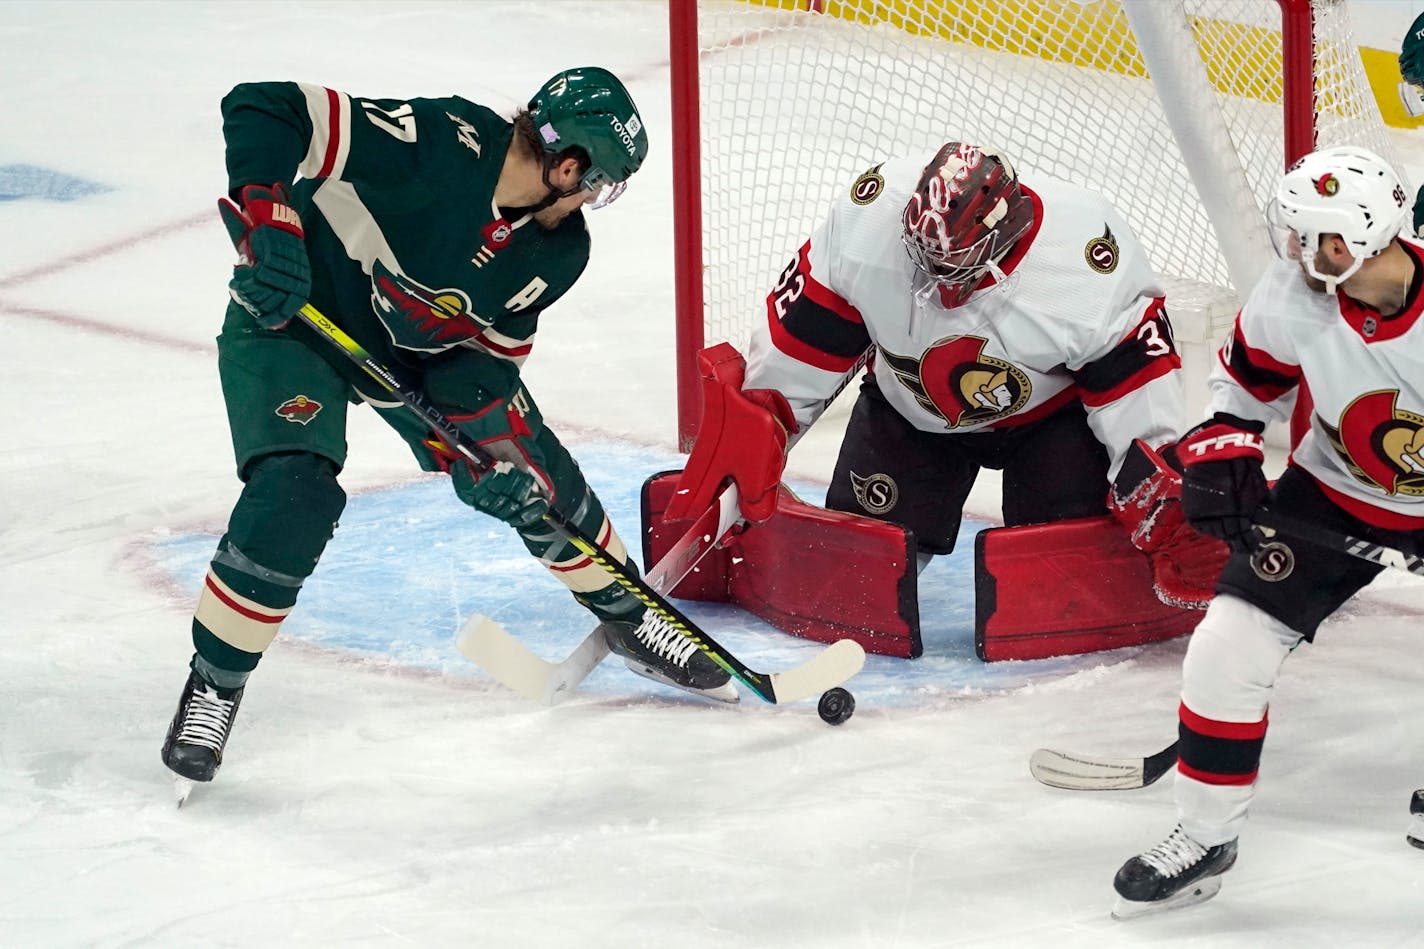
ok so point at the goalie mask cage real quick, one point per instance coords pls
(1183, 113)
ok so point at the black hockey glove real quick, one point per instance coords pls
(1223, 483)
(272, 278)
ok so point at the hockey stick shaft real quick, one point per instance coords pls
(481, 459)
(1381, 554)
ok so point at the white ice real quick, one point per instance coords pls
(378, 791)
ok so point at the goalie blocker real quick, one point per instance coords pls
(827, 575)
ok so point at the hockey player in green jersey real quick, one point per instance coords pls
(434, 232)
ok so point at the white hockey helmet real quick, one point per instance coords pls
(1345, 190)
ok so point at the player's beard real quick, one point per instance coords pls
(551, 217)
(1324, 265)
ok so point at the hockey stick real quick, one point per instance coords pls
(1088, 772)
(1059, 769)
(839, 661)
(490, 646)
(1381, 554)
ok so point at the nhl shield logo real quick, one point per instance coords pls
(299, 409)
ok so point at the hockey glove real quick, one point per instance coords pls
(272, 278)
(1146, 499)
(504, 491)
(1223, 483)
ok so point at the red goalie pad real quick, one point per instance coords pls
(1066, 588)
(818, 574)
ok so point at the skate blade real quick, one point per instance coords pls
(182, 787)
(1415, 834)
(1199, 892)
(725, 692)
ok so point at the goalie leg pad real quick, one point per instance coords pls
(822, 575)
(1065, 588)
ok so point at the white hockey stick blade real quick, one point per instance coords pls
(490, 646)
(837, 663)
(1059, 769)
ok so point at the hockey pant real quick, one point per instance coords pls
(287, 413)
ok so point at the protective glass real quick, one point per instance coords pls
(602, 189)
(1288, 243)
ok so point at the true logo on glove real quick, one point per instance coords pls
(1208, 446)
(1273, 561)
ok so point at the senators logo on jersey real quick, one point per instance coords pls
(1382, 444)
(1102, 253)
(955, 380)
(418, 317)
(868, 186)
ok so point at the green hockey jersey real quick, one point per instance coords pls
(410, 254)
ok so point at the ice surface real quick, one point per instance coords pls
(379, 791)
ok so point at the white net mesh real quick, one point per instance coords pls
(795, 104)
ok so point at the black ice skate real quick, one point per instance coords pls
(1415, 834)
(1177, 872)
(656, 650)
(198, 733)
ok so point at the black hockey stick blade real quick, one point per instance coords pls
(1385, 556)
(1079, 772)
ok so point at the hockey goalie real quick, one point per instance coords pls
(1002, 326)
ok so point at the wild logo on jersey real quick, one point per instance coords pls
(299, 409)
(955, 380)
(418, 317)
(1382, 444)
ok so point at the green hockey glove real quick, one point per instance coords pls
(504, 491)
(272, 278)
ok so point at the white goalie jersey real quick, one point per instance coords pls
(1079, 316)
(1365, 376)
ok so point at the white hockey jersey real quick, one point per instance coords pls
(1365, 375)
(1080, 315)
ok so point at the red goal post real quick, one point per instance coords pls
(1184, 112)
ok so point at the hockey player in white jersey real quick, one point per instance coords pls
(1011, 327)
(1343, 313)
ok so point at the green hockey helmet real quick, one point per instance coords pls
(588, 107)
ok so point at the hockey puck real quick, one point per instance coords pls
(836, 706)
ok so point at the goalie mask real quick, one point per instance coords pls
(589, 108)
(1347, 190)
(964, 217)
